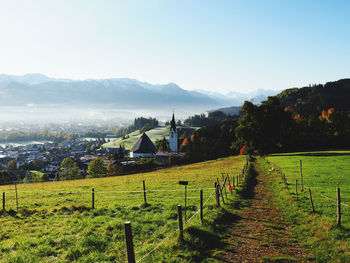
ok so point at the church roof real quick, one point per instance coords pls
(144, 145)
(173, 124)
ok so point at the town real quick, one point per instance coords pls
(44, 161)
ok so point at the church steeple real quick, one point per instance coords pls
(173, 123)
(173, 140)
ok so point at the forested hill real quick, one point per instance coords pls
(314, 99)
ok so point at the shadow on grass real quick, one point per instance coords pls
(202, 242)
(247, 190)
(10, 212)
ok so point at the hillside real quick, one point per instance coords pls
(154, 134)
(57, 223)
(314, 99)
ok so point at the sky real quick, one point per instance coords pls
(198, 44)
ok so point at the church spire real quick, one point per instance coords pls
(173, 139)
(173, 123)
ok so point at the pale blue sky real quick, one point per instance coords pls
(213, 45)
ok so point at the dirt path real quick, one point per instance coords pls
(261, 233)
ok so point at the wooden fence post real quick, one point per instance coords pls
(144, 192)
(181, 227)
(312, 203)
(338, 207)
(93, 198)
(233, 182)
(237, 180)
(217, 194)
(296, 189)
(3, 201)
(201, 204)
(229, 183)
(129, 243)
(220, 191)
(224, 184)
(301, 176)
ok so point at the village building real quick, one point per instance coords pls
(143, 148)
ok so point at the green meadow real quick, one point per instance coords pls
(322, 172)
(56, 222)
(154, 134)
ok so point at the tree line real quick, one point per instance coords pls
(142, 124)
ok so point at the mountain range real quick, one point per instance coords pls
(38, 89)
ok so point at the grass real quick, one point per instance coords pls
(154, 134)
(55, 222)
(208, 242)
(322, 172)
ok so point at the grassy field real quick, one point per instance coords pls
(55, 222)
(323, 172)
(154, 134)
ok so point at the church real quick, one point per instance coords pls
(144, 147)
(173, 136)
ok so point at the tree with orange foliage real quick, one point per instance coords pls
(326, 115)
(192, 138)
(185, 142)
(12, 165)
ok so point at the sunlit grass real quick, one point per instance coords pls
(56, 223)
(323, 172)
(154, 134)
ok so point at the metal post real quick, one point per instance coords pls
(338, 207)
(185, 203)
(144, 192)
(301, 176)
(93, 198)
(181, 228)
(201, 204)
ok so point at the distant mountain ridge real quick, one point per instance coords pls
(126, 93)
(38, 89)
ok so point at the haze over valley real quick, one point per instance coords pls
(36, 98)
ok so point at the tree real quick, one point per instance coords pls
(96, 168)
(266, 128)
(38, 164)
(69, 170)
(121, 152)
(5, 177)
(111, 171)
(185, 142)
(164, 145)
(12, 165)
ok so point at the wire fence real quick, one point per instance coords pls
(319, 202)
(48, 198)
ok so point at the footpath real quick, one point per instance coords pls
(260, 234)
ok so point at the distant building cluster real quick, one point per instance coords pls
(83, 151)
